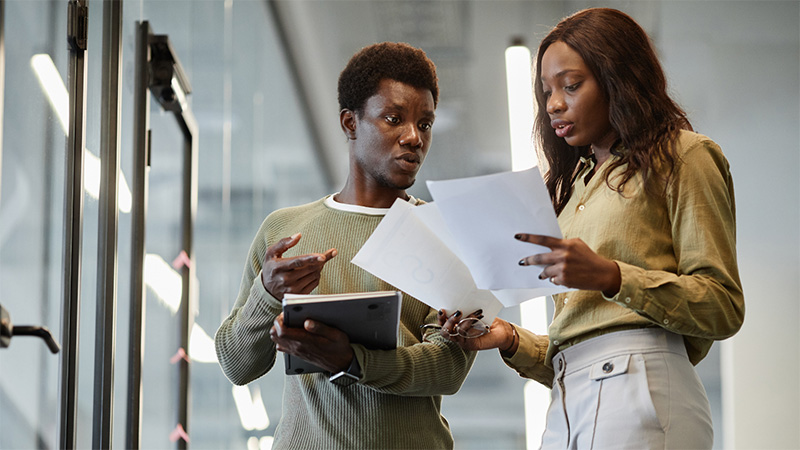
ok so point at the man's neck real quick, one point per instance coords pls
(370, 198)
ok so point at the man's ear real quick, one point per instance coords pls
(347, 120)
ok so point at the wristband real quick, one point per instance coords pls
(513, 339)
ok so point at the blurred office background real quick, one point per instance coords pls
(263, 95)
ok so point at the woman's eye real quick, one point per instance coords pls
(546, 94)
(572, 87)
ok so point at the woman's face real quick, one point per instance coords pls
(576, 105)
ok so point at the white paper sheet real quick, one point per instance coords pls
(484, 213)
(405, 253)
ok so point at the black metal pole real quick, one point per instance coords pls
(73, 222)
(188, 213)
(107, 227)
(141, 162)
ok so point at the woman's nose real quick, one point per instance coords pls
(555, 104)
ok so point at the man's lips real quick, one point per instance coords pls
(409, 161)
(562, 127)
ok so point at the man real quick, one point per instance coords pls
(387, 95)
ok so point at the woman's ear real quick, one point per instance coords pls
(347, 120)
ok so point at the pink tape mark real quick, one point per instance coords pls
(180, 354)
(181, 260)
(178, 433)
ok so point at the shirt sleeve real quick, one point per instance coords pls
(704, 298)
(530, 360)
(244, 348)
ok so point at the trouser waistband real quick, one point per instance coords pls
(644, 340)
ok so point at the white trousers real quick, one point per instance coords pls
(627, 390)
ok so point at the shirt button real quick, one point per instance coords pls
(566, 300)
(608, 367)
(581, 207)
(555, 342)
(666, 321)
(627, 299)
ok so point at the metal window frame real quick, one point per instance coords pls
(77, 32)
(108, 226)
(148, 44)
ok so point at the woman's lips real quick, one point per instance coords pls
(562, 127)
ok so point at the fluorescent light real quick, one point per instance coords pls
(252, 412)
(520, 106)
(201, 346)
(56, 92)
(164, 281)
(533, 312)
(533, 315)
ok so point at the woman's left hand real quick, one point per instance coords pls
(573, 264)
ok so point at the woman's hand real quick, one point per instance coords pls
(500, 335)
(573, 264)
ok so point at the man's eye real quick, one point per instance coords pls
(393, 119)
(425, 126)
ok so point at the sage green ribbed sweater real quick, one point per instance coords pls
(397, 402)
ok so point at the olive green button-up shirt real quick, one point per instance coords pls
(676, 254)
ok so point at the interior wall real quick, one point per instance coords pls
(735, 67)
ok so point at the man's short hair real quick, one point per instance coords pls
(394, 60)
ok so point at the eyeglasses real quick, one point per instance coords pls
(469, 327)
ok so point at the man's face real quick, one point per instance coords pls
(392, 136)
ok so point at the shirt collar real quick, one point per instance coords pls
(331, 203)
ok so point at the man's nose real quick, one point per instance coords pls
(411, 137)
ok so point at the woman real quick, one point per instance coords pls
(647, 212)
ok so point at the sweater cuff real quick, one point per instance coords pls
(263, 300)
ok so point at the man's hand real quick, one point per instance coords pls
(317, 343)
(295, 275)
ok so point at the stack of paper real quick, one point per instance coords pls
(459, 252)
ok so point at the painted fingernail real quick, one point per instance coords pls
(522, 262)
(457, 314)
(518, 236)
(441, 312)
(478, 312)
(541, 276)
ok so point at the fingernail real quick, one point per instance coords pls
(480, 317)
(541, 276)
(441, 312)
(517, 236)
(457, 314)
(478, 312)
(522, 262)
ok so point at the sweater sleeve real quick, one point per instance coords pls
(704, 298)
(434, 366)
(244, 348)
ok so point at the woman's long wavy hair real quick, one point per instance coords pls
(622, 59)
